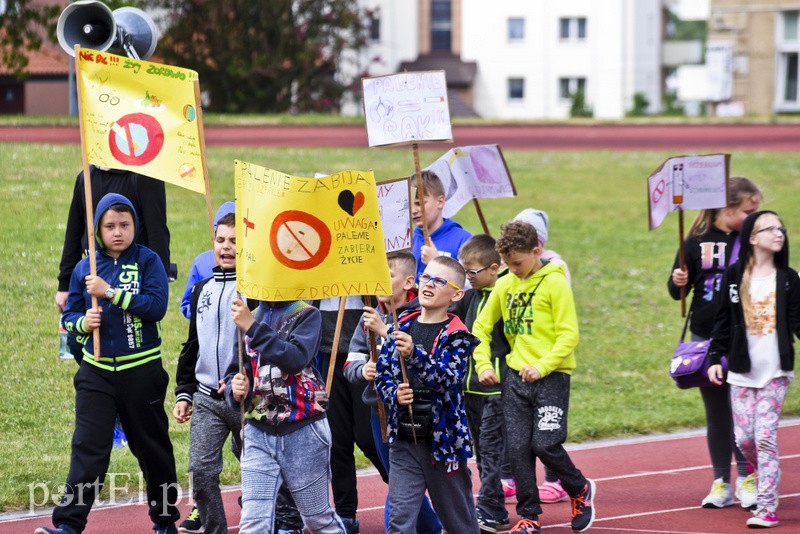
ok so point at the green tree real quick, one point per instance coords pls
(276, 56)
(24, 24)
(578, 106)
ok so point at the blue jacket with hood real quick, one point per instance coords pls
(130, 332)
(447, 239)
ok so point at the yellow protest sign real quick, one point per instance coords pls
(308, 238)
(141, 116)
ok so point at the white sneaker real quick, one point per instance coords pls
(721, 495)
(746, 490)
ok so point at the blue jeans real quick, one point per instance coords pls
(427, 520)
(301, 459)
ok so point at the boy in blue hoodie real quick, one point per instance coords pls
(128, 380)
(286, 436)
(204, 263)
(484, 407)
(429, 448)
(446, 235)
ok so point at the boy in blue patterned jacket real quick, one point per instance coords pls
(429, 450)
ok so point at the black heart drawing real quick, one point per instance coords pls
(346, 201)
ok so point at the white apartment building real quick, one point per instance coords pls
(522, 59)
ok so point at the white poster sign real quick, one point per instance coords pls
(719, 66)
(688, 183)
(409, 107)
(395, 207)
(468, 172)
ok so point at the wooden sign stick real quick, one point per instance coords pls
(335, 345)
(481, 217)
(405, 377)
(373, 357)
(241, 370)
(420, 193)
(202, 138)
(681, 259)
(87, 194)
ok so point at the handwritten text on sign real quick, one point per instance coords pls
(394, 203)
(409, 107)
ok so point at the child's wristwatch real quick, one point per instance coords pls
(110, 293)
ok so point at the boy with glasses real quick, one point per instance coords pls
(429, 440)
(484, 409)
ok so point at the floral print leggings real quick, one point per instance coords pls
(756, 412)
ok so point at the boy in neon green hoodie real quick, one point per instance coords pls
(538, 311)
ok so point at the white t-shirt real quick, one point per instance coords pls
(762, 338)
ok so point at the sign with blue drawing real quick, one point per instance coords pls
(408, 107)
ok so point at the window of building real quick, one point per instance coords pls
(516, 29)
(516, 89)
(790, 20)
(787, 48)
(441, 24)
(569, 86)
(374, 26)
(572, 28)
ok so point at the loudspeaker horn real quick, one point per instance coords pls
(87, 23)
(91, 24)
(136, 33)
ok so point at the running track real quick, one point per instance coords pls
(729, 137)
(646, 485)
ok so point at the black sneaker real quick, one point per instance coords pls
(165, 529)
(351, 525)
(485, 521)
(192, 523)
(528, 525)
(583, 508)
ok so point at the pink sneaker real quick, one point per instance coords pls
(551, 492)
(509, 487)
(763, 519)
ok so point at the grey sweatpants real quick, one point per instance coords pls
(412, 471)
(212, 421)
(536, 427)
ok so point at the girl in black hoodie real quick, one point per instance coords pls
(757, 318)
(712, 245)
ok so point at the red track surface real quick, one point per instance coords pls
(651, 485)
(783, 137)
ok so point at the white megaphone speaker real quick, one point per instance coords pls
(92, 24)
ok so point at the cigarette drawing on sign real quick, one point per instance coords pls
(408, 107)
(677, 183)
(468, 172)
(299, 240)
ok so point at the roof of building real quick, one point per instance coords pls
(47, 61)
(459, 73)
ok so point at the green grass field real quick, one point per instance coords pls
(597, 202)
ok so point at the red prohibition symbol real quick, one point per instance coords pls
(658, 191)
(299, 240)
(136, 139)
